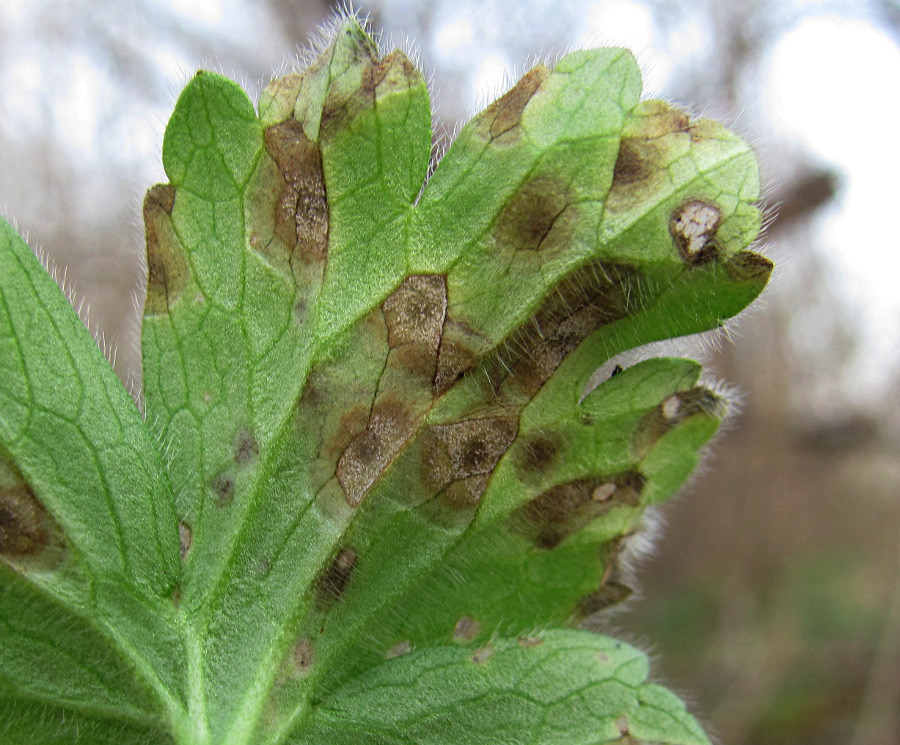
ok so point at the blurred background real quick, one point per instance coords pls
(772, 600)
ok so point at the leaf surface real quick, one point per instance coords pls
(373, 447)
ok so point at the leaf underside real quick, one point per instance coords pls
(371, 501)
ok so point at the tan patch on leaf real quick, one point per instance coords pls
(333, 581)
(415, 313)
(370, 451)
(563, 510)
(460, 457)
(466, 629)
(500, 121)
(301, 210)
(538, 217)
(167, 267)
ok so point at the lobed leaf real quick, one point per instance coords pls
(383, 468)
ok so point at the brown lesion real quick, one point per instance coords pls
(459, 458)
(378, 76)
(674, 410)
(301, 206)
(747, 266)
(415, 313)
(563, 510)
(246, 448)
(499, 123)
(596, 294)
(167, 267)
(370, 451)
(28, 533)
(693, 226)
(538, 217)
(466, 629)
(654, 137)
(538, 452)
(185, 538)
(614, 586)
(333, 581)
(461, 349)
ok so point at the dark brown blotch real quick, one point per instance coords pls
(672, 411)
(468, 448)
(370, 451)
(651, 138)
(246, 448)
(460, 457)
(747, 266)
(333, 581)
(393, 72)
(538, 453)
(414, 314)
(608, 594)
(693, 226)
(457, 355)
(301, 211)
(499, 122)
(563, 510)
(27, 530)
(223, 487)
(539, 216)
(614, 586)
(167, 267)
(594, 295)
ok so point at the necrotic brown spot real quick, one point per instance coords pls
(370, 451)
(185, 538)
(415, 314)
(245, 447)
(565, 509)
(303, 654)
(399, 649)
(222, 487)
(538, 452)
(747, 266)
(594, 295)
(481, 656)
(460, 457)
(537, 217)
(26, 529)
(500, 121)
(167, 268)
(675, 409)
(654, 137)
(529, 642)
(334, 580)
(609, 594)
(693, 226)
(466, 629)
(301, 213)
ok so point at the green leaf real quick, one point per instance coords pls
(370, 391)
(560, 686)
(87, 525)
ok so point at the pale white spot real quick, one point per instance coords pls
(399, 649)
(671, 406)
(695, 225)
(480, 656)
(603, 492)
